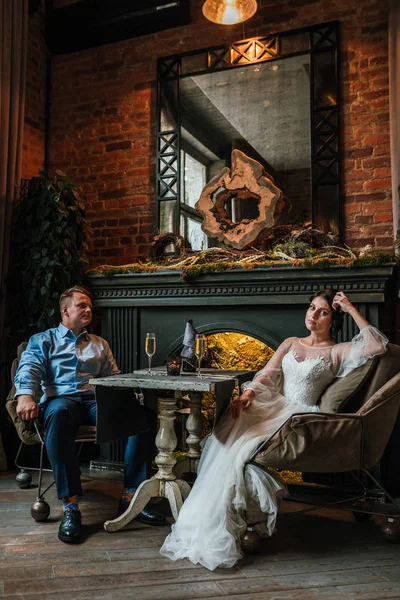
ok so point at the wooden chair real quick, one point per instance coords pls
(359, 415)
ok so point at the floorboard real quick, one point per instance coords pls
(323, 555)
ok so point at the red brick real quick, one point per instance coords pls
(383, 216)
(372, 207)
(385, 242)
(128, 221)
(379, 104)
(382, 149)
(126, 241)
(376, 139)
(118, 193)
(112, 242)
(382, 172)
(125, 145)
(359, 153)
(363, 219)
(114, 88)
(113, 232)
(376, 161)
(357, 174)
(381, 229)
(377, 184)
(110, 252)
(378, 60)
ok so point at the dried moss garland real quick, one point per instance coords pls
(195, 266)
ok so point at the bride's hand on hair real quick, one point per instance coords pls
(242, 403)
(342, 303)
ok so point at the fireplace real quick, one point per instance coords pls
(265, 303)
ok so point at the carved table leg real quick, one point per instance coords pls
(166, 439)
(164, 483)
(194, 426)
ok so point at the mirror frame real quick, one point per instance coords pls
(320, 42)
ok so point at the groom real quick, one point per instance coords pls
(61, 361)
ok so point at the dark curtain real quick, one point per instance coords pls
(394, 100)
(13, 49)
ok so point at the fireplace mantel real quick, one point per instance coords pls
(266, 302)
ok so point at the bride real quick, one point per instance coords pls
(212, 519)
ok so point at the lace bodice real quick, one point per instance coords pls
(304, 381)
(301, 372)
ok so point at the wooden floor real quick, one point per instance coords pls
(328, 556)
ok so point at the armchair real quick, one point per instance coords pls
(30, 433)
(359, 414)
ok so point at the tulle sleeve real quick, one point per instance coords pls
(368, 343)
(269, 376)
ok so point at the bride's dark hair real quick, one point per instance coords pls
(328, 295)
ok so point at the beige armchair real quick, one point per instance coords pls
(359, 414)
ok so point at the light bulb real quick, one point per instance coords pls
(229, 12)
(230, 16)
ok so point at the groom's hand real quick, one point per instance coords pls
(27, 408)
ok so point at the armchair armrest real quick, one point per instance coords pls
(314, 442)
(25, 429)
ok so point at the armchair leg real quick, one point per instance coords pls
(40, 509)
(23, 479)
(362, 510)
(391, 530)
(251, 541)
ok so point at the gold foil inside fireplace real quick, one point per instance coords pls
(236, 351)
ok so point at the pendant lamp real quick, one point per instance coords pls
(229, 12)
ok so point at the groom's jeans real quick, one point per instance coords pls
(62, 417)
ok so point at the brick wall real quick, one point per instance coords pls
(35, 100)
(103, 113)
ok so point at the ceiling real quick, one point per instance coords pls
(265, 106)
(91, 23)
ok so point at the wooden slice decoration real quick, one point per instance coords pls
(247, 183)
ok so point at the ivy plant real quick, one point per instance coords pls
(48, 250)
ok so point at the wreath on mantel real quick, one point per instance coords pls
(281, 245)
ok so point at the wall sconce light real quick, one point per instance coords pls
(229, 12)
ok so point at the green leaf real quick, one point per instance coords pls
(48, 243)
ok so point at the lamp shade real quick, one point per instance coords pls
(229, 12)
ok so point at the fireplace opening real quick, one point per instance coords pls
(234, 352)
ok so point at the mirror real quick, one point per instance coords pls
(275, 100)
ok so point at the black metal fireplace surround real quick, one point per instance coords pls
(267, 303)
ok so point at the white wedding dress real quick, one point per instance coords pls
(212, 519)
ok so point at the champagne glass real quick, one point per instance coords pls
(150, 348)
(199, 350)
